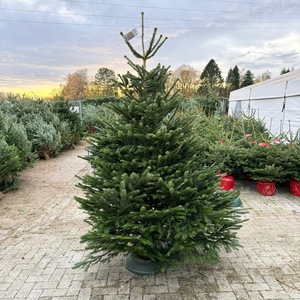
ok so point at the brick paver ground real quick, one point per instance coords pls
(40, 228)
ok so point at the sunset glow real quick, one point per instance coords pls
(44, 41)
(32, 92)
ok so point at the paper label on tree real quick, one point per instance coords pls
(130, 35)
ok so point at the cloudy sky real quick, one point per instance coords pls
(42, 41)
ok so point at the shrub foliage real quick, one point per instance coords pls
(31, 129)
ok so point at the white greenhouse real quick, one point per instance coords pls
(275, 101)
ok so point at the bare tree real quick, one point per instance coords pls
(188, 80)
(76, 85)
(266, 75)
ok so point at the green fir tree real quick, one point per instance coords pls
(149, 193)
(211, 78)
(248, 79)
(265, 161)
(233, 78)
(293, 165)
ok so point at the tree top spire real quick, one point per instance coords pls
(154, 44)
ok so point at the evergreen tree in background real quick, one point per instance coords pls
(232, 80)
(248, 79)
(105, 81)
(236, 77)
(229, 78)
(149, 193)
(286, 70)
(211, 78)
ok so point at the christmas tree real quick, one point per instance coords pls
(265, 161)
(150, 194)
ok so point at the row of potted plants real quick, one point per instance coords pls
(243, 148)
(267, 163)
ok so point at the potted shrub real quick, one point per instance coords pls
(222, 154)
(293, 168)
(265, 163)
(150, 196)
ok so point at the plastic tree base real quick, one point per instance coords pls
(237, 202)
(139, 266)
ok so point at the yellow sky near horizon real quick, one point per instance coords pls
(33, 91)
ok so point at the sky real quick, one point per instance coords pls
(43, 41)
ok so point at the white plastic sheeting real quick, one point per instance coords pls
(275, 101)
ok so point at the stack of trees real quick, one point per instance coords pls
(33, 129)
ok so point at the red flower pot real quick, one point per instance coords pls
(295, 187)
(266, 187)
(227, 183)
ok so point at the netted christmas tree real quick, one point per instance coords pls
(149, 193)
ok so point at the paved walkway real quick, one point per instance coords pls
(40, 228)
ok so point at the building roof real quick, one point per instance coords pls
(290, 76)
(286, 85)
